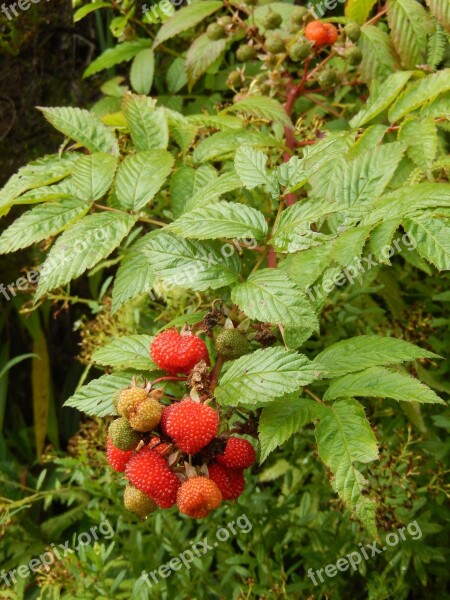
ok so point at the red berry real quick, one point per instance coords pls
(148, 471)
(165, 416)
(117, 458)
(178, 353)
(198, 496)
(230, 483)
(156, 444)
(320, 33)
(238, 454)
(192, 425)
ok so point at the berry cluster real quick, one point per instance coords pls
(173, 453)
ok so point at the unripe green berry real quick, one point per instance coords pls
(328, 78)
(231, 344)
(234, 79)
(265, 88)
(353, 56)
(122, 435)
(298, 15)
(215, 31)
(226, 20)
(352, 31)
(272, 20)
(137, 502)
(245, 52)
(275, 45)
(299, 51)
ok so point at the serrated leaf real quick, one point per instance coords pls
(119, 54)
(250, 165)
(379, 382)
(126, 352)
(381, 237)
(225, 143)
(41, 223)
(186, 182)
(212, 191)
(382, 98)
(134, 276)
(282, 418)
(263, 375)
(185, 18)
(96, 398)
(270, 296)
(221, 122)
(183, 131)
(432, 236)
(176, 76)
(437, 46)
(190, 264)
(201, 55)
(261, 107)
(421, 137)
(348, 247)
(441, 10)
(222, 220)
(357, 353)
(142, 71)
(359, 10)
(93, 176)
(378, 60)
(344, 437)
(83, 127)
(81, 247)
(141, 176)
(419, 93)
(306, 266)
(85, 10)
(148, 125)
(291, 174)
(410, 25)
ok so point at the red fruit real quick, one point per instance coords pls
(198, 496)
(155, 444)
(148, 471)
(165, 416)
(192, 425)
(320, 33)
(178, 353)
(117, 458)
(230, 483)
(238, 454)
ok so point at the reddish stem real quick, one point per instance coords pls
(169, 378)
(215, 373)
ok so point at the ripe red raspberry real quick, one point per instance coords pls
(198, 496)
(322, 34)
(178, 353)
(238, 454)
(165, 417)
(117, 458)
(230, 483)
(192, 425)
(148, 471)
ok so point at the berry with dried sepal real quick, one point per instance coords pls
(231, 344)
(122, 435)
(198, 496)
(137, 502)
(192, 425)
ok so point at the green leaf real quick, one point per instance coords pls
(282, 418)
(306, 266)
(85, 10)
(93, 176)
(263, 375)
(420, 92)
(293, 232)
(348, 247)
(270, 296)
(148, 125)
(441, 10)
(186, 182)
(176, 76)
(81, 247)
(410, 25)
(96, 398)
(291, 174)
(141, 176)
(378, 60)
(222, 220)
(119, 54)
(142, 71)
(437, 46)
(382, 98)
(421, 137)
(211, 192)
(432, 236)
(185, 18)
(344, 437)
(359, 10)
(183, 131)
(226, 143)
(201, 55)
(379, 382)
(190, 264)
(357, 353)
(126, 352)
(134, 276)
(251, 167)
(261, 107)
(41, 223)
(83, 127)
(382, 236)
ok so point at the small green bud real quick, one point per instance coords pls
(352, 31)
(299, 14)
(245, 52)
(272, 20)
(299, 51)
(215, 31)
(353, 56)
(328, 78)
(275, 45)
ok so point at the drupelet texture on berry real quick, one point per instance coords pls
(117, 458)
(192, 425)
(198, 496)
(137, 502)
(322, 34)
(238, 454)
(178, 353)
(230, 482)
